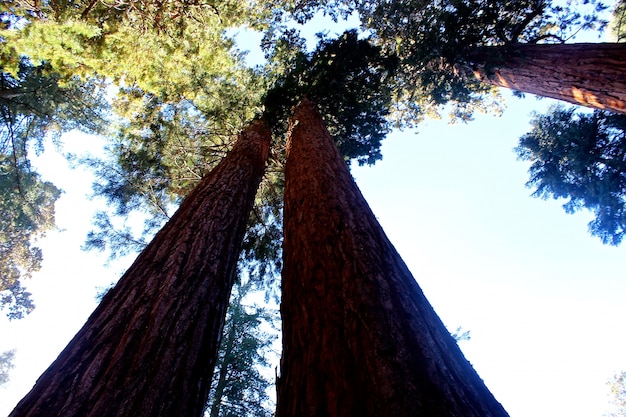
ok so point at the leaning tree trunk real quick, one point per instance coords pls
(359, 337)
(149, 348)
(587, 74)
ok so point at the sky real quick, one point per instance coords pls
(544, 301)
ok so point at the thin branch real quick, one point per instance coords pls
(517, 31)
(91, 5)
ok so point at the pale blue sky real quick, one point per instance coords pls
(544, 301)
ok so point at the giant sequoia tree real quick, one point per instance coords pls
(149, 348)
(586, 74)
(455, 50)
(359, 337)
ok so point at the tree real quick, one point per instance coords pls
(618, 21)
(581, 157)
(149, 348)
(26, 213)
(351, 79)
(34, 106)
(6, 364)
(239, 388)
(163, 148)
(359, 337)
(157, 152)
(617, 384)
(457, 50)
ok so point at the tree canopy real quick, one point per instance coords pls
(581, 157)
(349, 79)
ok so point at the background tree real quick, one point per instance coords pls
(6, 364)
(581, 157)
(618, 21)
(89, 37)
(240, 382)
(617, 385)
(34, 106)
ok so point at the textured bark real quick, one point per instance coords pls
(587, 74)
(149, 348)
(359, 337)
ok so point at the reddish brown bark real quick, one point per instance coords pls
(359, 337)
(588, 74)
(149, 348)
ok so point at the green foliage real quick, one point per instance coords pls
(239, 386)
(581, 157)
(161, 47)
(26, 212)
(163, 148)
(6, 364)
(350, 81)
(33, 106)
(37, 98)
(160, 148)
(432, 38)
(617, 385)
(618, 21)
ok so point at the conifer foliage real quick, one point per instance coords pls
(581, 157)
(34, 106)
(350, 80)
(241, 380)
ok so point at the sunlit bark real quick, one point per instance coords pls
(587, 74)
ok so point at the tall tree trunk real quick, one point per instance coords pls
(587, 74)
(359, 337)
(149, 348)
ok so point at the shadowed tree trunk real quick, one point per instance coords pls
(587, 74)
(359, 337)
(149, 348)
